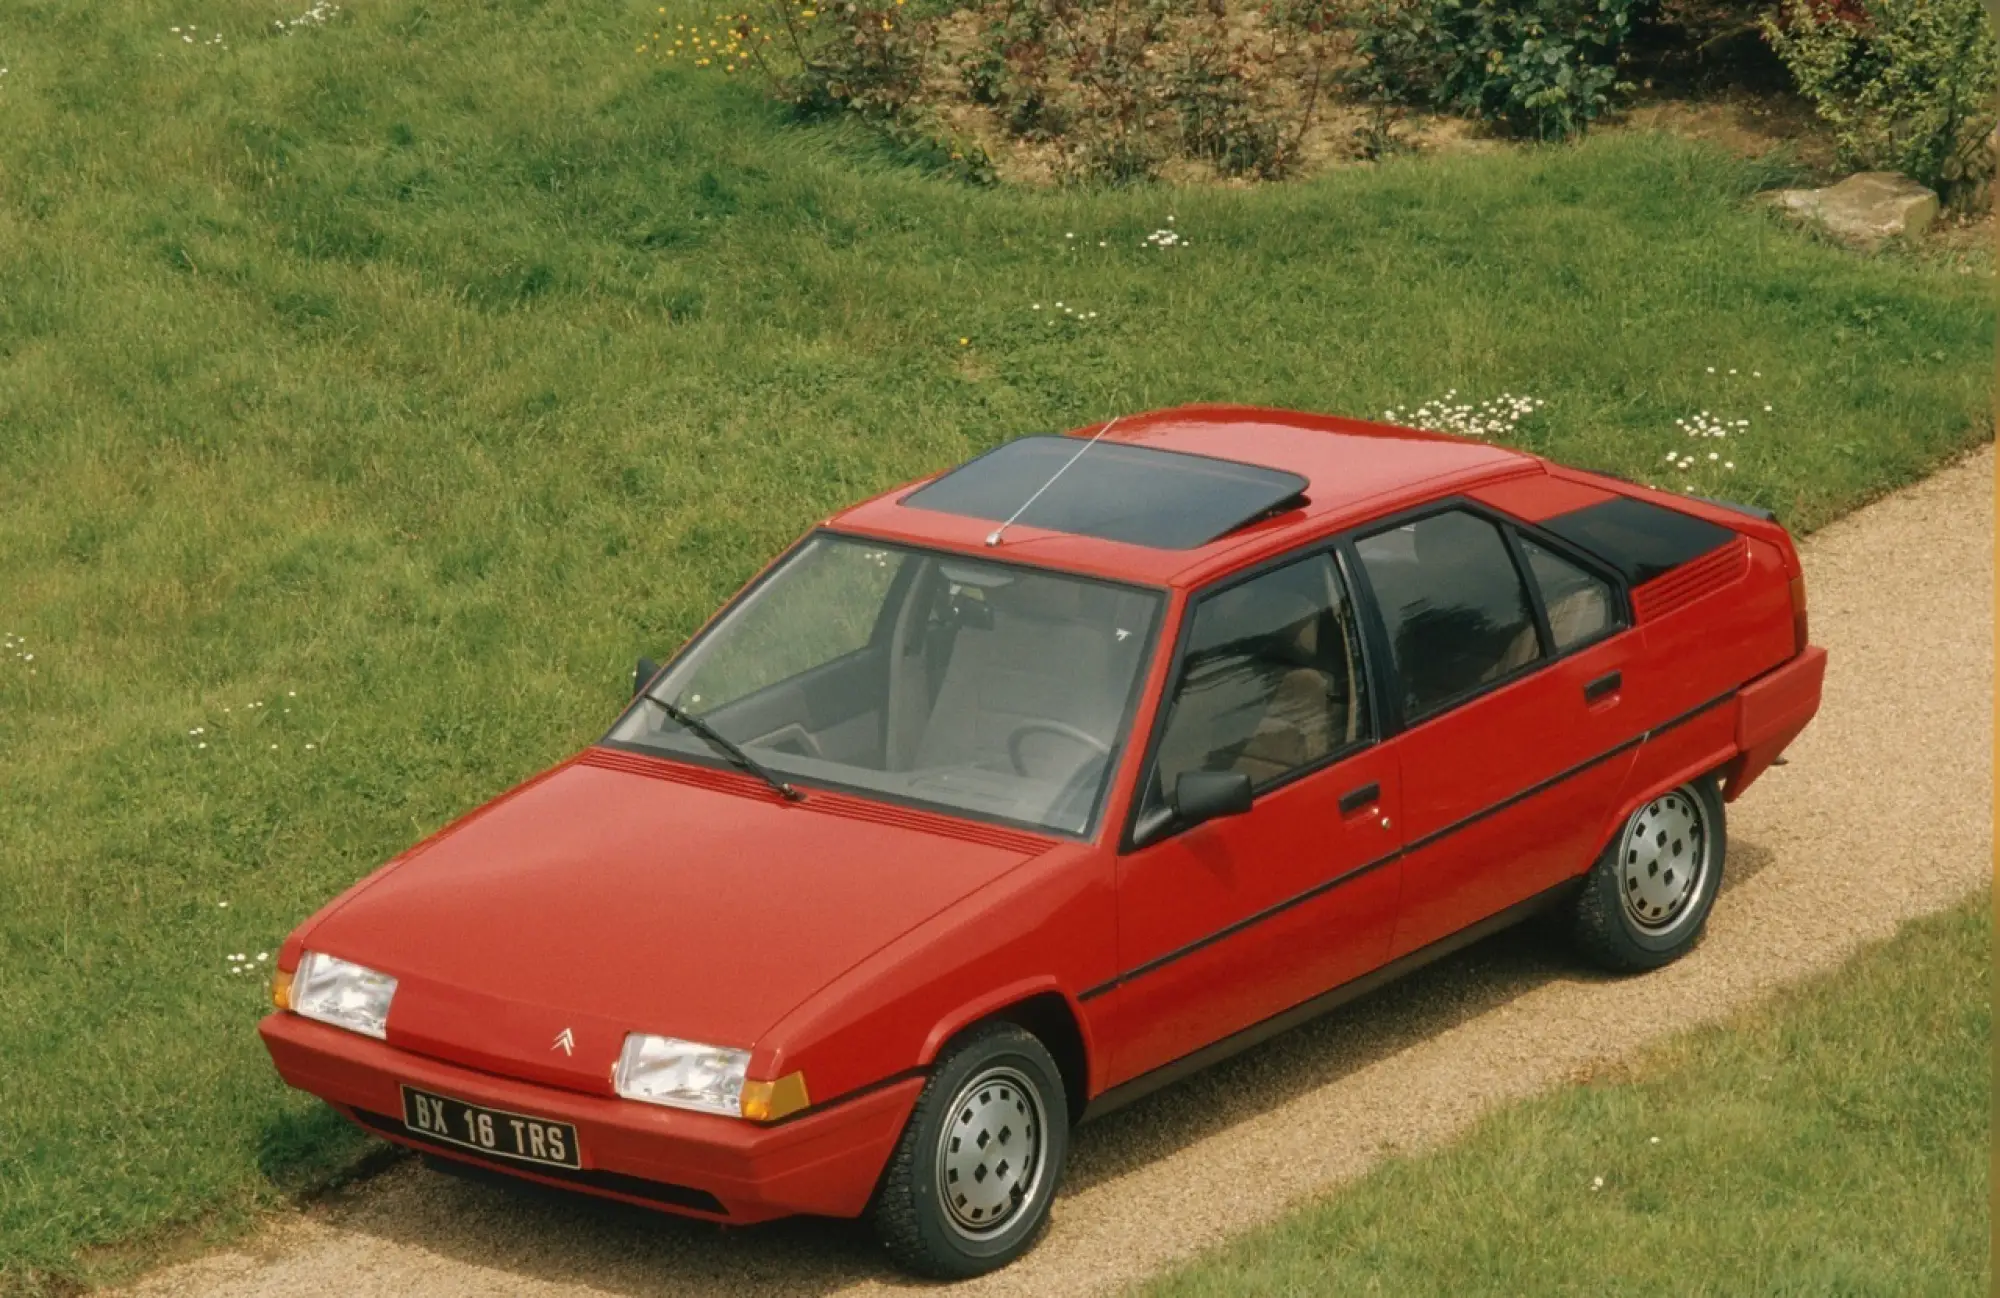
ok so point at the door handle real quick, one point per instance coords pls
(1603, 685)
(1365, 796)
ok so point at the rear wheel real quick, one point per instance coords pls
(968, 1187)
(1647, 899)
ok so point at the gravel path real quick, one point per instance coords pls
(1884, 813)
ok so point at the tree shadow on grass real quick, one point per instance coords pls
(555, 1236)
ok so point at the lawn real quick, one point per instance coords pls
(373, 391)
(1831, 1141)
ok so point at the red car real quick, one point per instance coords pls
(1008, 796)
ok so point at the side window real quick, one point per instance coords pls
(1455, 610)
(1579, 604)
(1271, 680)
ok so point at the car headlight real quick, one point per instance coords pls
(710, 1079)
(342, 993)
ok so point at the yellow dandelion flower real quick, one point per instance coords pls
(638, 49)
(805, 13)
(965, 342)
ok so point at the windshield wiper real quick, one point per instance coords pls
(726, 746)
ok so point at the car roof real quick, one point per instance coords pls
(1352, 469)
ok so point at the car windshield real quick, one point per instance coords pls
(988, 689)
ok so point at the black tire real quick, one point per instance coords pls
(1625, 918)
(1021, 1083)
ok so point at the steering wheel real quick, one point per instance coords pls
(1058, 728)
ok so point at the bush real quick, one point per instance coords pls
(1123, 85)
(1543, 68)
(1116, 87)
(1907, 85)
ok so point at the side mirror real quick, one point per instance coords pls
(644, 672)
(1208, 795)
(1197, 796)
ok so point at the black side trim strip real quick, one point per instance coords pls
(879, 1084)
(1529, 792)
(1257, 1033)
(637, 1187)
(1690, 714)
(1318, 889)
(1230, 930)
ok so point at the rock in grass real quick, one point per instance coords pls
(1866, 210)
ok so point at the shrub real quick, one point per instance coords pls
(1116, 87)
(1906, 85)
(1544, 68)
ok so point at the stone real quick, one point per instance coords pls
(1866, 210)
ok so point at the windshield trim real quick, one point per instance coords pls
(1120, 750)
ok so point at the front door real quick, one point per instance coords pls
(1223, 924)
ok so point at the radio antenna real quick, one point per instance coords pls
(993, 537)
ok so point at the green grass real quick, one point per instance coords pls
(1831, 1141)
(412, 374)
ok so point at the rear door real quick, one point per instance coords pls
(1507, 654)
(1227, 923)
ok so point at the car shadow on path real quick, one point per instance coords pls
(542, 1237)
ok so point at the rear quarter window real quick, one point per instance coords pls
(1639, 539)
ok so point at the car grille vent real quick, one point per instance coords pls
(1012, 840)
(819, 800)
(1692, 580)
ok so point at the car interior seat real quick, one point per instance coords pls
(1051, 650)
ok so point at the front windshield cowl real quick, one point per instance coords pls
(986, 689)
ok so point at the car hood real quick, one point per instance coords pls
(623, 893)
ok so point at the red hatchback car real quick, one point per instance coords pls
(1003, 798)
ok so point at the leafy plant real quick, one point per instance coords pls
(1907, 85)
(1544, 68)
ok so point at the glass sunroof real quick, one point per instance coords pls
(1168, 500)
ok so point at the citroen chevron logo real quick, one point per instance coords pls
(565, 1042)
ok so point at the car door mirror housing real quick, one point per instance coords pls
(644, 672)
(1198, 796)
(1209, 795)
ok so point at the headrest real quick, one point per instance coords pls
(1046, 599)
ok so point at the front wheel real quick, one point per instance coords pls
(1646, 900)
(968, 1187)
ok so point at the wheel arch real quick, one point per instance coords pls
(1715, 763)
(1038, 1006)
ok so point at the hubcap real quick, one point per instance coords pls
(1663, 861)
(990, 1156)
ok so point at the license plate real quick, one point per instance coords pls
(490, 1131)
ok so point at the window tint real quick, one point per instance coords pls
(1579, 604)
(1641, 540)
(1271, 682)
(1452, 600)
(1166, 499)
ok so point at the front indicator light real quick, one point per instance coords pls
(281, 988)
(681, 1074)
(342, 993)
(769, 1101)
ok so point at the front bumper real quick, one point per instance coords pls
(824, 1161)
